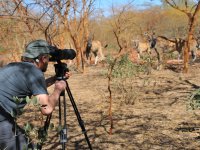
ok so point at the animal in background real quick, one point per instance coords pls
(94, 48)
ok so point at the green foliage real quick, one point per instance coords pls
(28, 127)
(109, 60)
(148, 64)
(19, 111)
(42, 135)
(124, 68)
(38, 134)
(33, 101)
(194, 101)
(122, 74)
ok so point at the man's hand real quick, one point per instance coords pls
(60, 85)
(67, 75)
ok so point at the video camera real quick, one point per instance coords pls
(58, 55)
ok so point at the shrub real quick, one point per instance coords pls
(194, 101)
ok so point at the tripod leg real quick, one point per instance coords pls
(80, 121)
(42, 132)
(63, 132)
(60, 113)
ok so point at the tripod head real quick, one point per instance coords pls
(60, 70)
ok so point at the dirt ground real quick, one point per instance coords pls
(157, 118)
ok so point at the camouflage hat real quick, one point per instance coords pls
(35, 48)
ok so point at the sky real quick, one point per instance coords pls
(135, 2)
(106, 4)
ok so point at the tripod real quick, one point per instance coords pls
(61, 70)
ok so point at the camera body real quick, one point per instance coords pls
(60, 70)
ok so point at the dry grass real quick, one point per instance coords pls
(155, 116)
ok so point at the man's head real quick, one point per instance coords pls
(37, 52)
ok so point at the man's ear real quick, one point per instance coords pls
(37, 60)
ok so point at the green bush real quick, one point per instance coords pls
(194, 101)
(124, 68)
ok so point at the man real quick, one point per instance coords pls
(21, 79)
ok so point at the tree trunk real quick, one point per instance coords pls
(186, 57)
(192, 22)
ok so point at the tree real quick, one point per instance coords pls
(120, 23)
(59, 21)
(24, 23)
(191, 11)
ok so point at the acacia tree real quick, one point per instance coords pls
(191, 12)
(59, 21)
(73, 15)
(11, 27)
(119, 26)
(28, 23)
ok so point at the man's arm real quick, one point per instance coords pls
(49, 102)
(50, 81)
